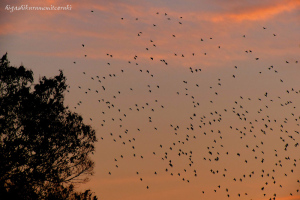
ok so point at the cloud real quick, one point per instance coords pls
(289, 198)
(104, 28)
(258, 13)
(236, 11)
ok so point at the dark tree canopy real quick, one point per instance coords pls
(44, 147)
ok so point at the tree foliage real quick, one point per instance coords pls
(43, 145)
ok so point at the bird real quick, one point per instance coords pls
(193, 117)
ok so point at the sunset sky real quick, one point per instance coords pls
(133, 67)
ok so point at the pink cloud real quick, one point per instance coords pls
(289, 198)
(258, 13)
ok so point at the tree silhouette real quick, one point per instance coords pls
(44, 147)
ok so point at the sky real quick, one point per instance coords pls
(189, 99)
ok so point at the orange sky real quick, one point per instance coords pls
(206, 35)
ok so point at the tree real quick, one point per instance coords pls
(43, 145)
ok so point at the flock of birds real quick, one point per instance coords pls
(198, 131)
